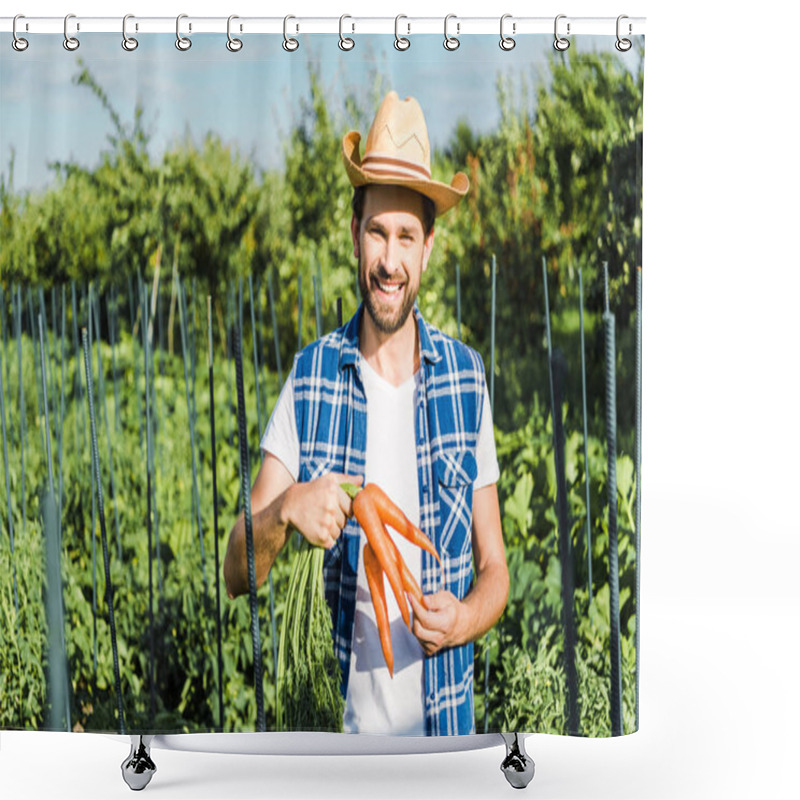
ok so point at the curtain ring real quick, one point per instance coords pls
(623, 45)
(128, 42)
(289, 44)
(400, 42)
(70, 42)
(506, 42)
(181, 42)
(18, 43)
(233, 44)
(345, 42)
(560, 43)
(451, 42)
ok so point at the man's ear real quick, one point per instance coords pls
(354, 231)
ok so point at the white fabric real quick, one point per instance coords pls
(377, 703)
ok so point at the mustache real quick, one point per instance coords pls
(382, 275)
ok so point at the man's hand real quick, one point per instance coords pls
(319, 509)
(440, 623)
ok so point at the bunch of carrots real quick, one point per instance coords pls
(374, 510)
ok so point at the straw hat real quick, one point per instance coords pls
(397, 151)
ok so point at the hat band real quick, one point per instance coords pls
(395, 167)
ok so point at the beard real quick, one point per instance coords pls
(386, 319)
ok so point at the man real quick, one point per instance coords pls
(388, 399)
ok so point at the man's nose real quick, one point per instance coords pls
(392, 255)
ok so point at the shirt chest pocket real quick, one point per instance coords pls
(456, 471)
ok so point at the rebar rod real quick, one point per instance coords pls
(559, 369)
(61, 412)
(55, 591)
(259, 341)
(149, 470)
(487, 657)
(61, 482)
(22, 410)
(192, 351)
(611, 484)
(221, 708)
(273, 631)
(319, 292)
(78, 383)
(52, 340)
(155, 415)
(87, 358)
(255, 352)
(101, 396)
(230, 323)
(132, 308)
(195, 488)
(274, 316)
(244, 465)
(46, 413)
(113, 343)
(90, 327)
(586, 443)
(317, 304)
(638, 476)
(36, 366)
(458, 298)
(3, 323)
(46, 363)
(58, 711)
(299, 312)
(494, 306)
(564, 544)
(7, 468)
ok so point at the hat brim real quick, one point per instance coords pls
(444, 196)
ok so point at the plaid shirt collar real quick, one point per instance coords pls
(349, 349)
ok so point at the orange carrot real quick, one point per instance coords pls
(391, 514)
(372, 568)
(409, 582)
(367, 515)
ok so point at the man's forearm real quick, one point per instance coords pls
(271, 531)
(485, 602)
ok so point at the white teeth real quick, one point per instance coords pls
(389, 288)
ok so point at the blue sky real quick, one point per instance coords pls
(250, 98)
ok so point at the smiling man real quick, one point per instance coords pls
(389, 399)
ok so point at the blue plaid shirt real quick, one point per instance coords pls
(331, 415)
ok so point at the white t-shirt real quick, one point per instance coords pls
(377, 703)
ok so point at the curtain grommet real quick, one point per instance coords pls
(128, 42)
(289, 44)
(233, 44)
(560, 43)
(71, 43)
(183, 43)
(401, 43)
(345, 42)
(623, 45)
(507, 42)
(17, 42)
(451, 43)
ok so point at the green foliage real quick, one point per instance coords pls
(527, 683)
(22, 646)
(309, 698)
(184, 630)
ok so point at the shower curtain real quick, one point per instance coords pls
(176, 238)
